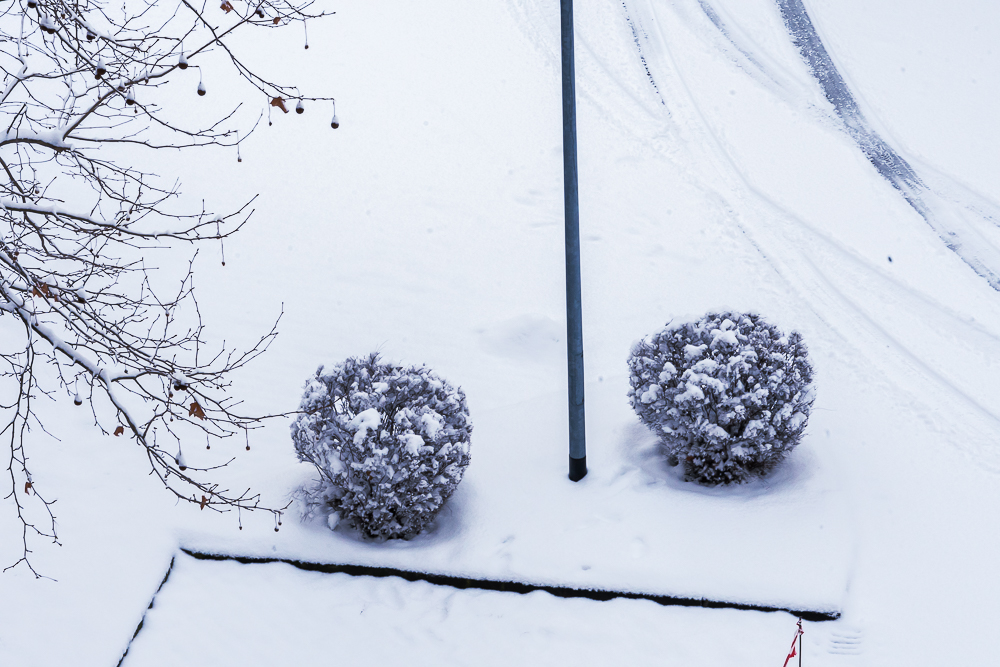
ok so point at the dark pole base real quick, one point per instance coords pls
(577, 468)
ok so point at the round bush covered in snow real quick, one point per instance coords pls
(729, 395)
(390, 443)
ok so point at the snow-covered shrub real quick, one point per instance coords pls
(390, 443)
(729, 395)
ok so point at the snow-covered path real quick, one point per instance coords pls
(715, 173)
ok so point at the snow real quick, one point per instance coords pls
(282, 609)
(432, 423)
(692, 392)
(694, 351)
(413, 443)
(429, 227)
(724, 336)
(54, 138)
(365, 421)
(651, 394)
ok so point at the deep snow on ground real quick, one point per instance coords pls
(714, 174)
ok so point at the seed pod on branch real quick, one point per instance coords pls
(79, 231)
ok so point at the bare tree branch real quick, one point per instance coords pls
(81, 317)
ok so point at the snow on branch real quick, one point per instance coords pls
(81, 316)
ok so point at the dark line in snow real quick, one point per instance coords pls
(143, 619)
(889, 163)
(516, 586)
(642, 56)
(720, 25)
(893, 167)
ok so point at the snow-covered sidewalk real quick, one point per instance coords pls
(227, 614)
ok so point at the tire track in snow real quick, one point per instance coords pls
(717, 21)
(887, 161)
(539, 22)
(642, 58)
(962, 239)
(820, 293)
(705, 164)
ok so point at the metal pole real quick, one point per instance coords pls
(800, 642)
(574, 309)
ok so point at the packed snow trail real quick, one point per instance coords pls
(889, 163)
(867, 307)
(957, 233)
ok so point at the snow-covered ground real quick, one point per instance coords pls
(714, 174)
(290, 616)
